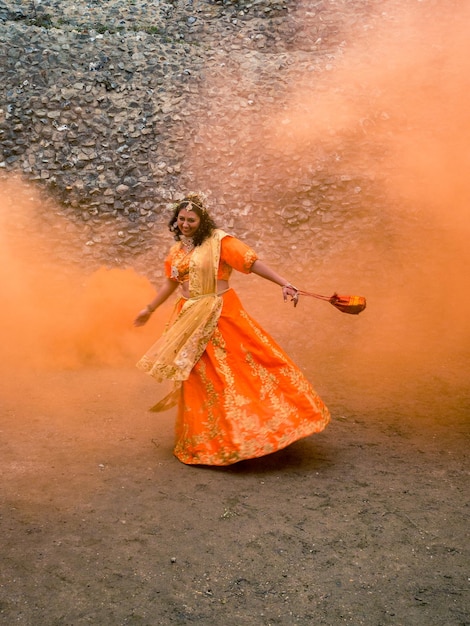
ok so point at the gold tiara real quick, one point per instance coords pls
(192, 205)
(193, 199)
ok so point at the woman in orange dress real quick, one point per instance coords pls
(239, 395)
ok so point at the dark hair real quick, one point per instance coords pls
(207, 225)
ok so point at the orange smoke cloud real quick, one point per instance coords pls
(394, 109)
(55, 316)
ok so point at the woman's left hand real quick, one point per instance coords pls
(292, 292)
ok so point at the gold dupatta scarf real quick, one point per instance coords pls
(174, 355)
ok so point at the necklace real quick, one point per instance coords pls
(187, 243)
(187, 246)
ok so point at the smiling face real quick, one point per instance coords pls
(188, 222)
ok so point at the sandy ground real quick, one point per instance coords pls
(365, 523)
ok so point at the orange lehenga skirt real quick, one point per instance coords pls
(244, 398)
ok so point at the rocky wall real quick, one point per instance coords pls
(115, 109)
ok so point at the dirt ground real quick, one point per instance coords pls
(365, 523)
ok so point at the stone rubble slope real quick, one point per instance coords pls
(116, 108)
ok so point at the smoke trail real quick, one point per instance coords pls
(406, 90)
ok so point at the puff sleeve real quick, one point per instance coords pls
(237, 254)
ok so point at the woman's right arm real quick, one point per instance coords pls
(165, 291)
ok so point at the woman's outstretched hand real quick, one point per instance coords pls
(289, 291)
(143, 317)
